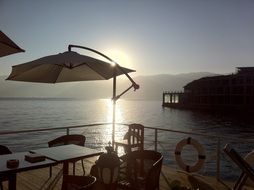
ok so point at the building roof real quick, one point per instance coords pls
(240, 71)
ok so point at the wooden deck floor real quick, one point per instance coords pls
(39, 179)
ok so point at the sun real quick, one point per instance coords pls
(119, 57)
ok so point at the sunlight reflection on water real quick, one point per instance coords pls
(49, 113)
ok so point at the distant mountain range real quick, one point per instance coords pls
(151, 87)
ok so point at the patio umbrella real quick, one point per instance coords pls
(71, 66)
(7, 46)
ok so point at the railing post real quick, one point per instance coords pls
(155, 139)
(218, 160)
(67, 131)
(163, 99)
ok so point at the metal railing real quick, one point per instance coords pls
(217, 138)
(155, 142)
(52, 129)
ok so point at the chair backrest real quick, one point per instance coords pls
(145, 163)
(239, 161)
(247, 170)
(135, 135)
(153, 176)
(72, 182)
(68, 139)
(4, 150)
(90, 181)
(250, 159)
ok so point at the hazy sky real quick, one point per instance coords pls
(153, 37)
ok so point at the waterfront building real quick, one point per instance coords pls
(231, 92)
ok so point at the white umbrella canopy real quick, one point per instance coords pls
(71, 66)
(7, 46)
(65, 67)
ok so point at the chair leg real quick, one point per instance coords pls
(127, 149)
(84, 172)
(50, 171)
(1, 186)
(116, 149)
(73, 168)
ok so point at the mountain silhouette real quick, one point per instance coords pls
(151, 87)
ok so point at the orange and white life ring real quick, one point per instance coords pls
(201, 155)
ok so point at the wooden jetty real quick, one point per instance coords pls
(40, 180)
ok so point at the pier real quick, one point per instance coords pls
(172, 99)
(233, 92)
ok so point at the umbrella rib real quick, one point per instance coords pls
(96, 71)
(79, 65)
(22, 72)
(70, 67)
(61, 68)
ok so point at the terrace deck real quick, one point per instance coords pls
(39, 179)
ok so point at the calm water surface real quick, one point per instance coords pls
(17, 114)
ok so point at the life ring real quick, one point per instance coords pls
(201, 155)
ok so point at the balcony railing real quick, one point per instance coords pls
(157, 138)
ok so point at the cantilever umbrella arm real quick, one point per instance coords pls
(133, 85)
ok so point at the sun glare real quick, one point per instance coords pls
(118, 113)
(109, 116)
(119, 57)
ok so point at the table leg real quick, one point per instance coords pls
(65, 172)
(240, 182)
(65, 168)
(12, 181)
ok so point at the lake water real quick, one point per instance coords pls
(20, 114)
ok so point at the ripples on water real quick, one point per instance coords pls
(17, 114)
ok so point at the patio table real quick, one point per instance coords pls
(59, 154)
(67, 153)
(11, 173)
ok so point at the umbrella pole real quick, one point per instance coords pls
(114, 111)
